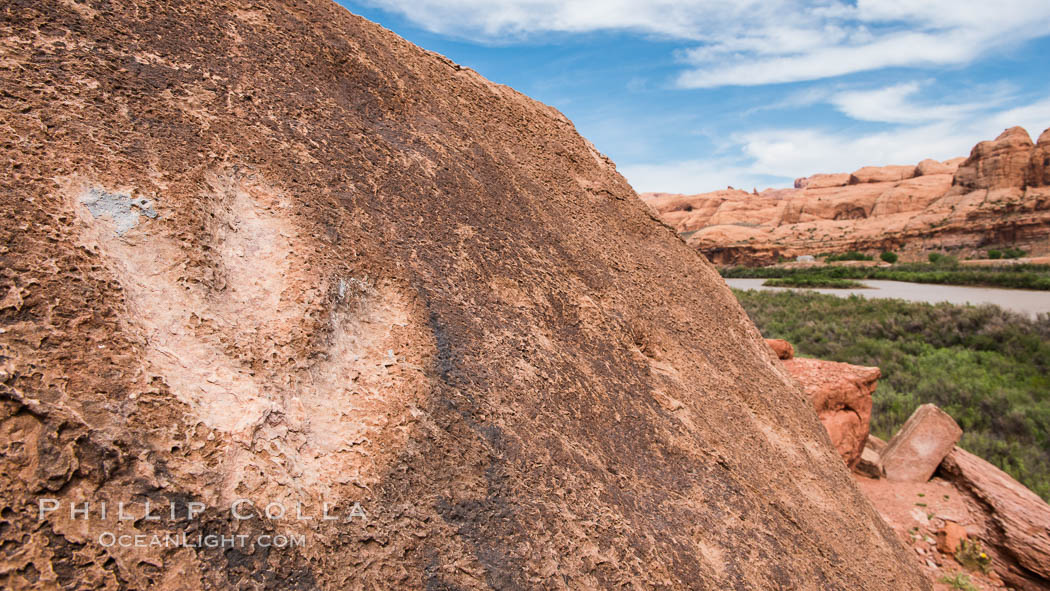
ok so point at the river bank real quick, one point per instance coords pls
(1028, 302)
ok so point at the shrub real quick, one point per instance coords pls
(848, 256)
(995, 254)
(959, 581)
(971, 555)
(807, 282)
(942, 260)
(1013, 253)
(889, 257)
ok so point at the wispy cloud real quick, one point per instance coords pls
(899, 104)
(775, 156)
(756, 42)
(695, 176)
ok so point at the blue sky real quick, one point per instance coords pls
(690, 96)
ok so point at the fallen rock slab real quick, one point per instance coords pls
(1015, 522)
(870, 464)
(914, 453)
(841, 395)
(876, 444)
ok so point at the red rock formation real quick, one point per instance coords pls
(823, 181)
(271, 251)
(915, 451)
(1014, 522)
(928, 166)
(841, 395)
(998, 196)
(1002, 163)
(881, 174)
(782, 348)
(1039, 168)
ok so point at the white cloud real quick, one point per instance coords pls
(801, 152)
(694, 176)
(755, 42)
(495, 20)
(896, 104)
(1034, 117)
(726, 66)
(779, 155)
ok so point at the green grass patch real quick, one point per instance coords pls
(811, 282)
(848, 256)
(986, 367)
(1023, 276)
(959, 581)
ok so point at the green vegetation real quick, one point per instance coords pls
(959, 581)
(889, 257)
(971, 555)
(988, 368)
(848, 256)
(1009, 253)
(945, 271)
(803, 281)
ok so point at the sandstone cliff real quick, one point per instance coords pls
(271, 252)
(999, 196)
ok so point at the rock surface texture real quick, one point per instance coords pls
(1014, 523)
(841, 395)
(918, 447)
(999, 196)
(270, 251)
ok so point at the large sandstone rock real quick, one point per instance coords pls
(1039, 166)
(1014, 521)
(916, 450)
(270, 251)
(782, 348)
(823, 181)
(841, 395)
(929, 166)
(998, 164)
(881, 174)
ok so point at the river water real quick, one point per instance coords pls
(1018, 300)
